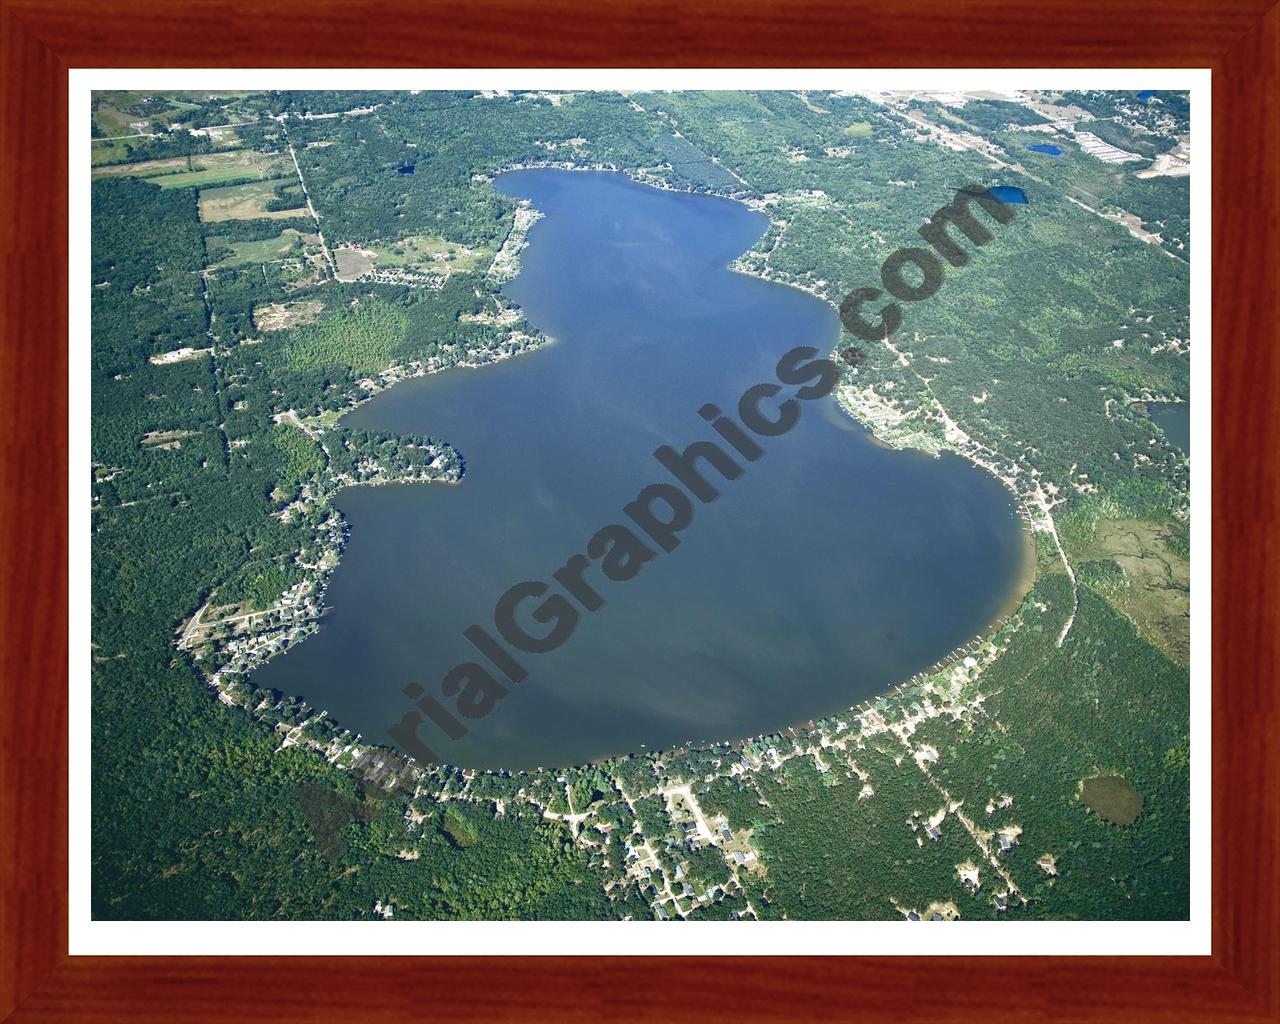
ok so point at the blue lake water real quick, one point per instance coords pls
(1008, 194)
(830, 570)
(1174, 418)
(1045, 147)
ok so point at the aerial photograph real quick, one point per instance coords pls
(640, 506)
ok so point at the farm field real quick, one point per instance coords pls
(216, 175)
(150, 168)
(201, 169)
(262, 250)
(243, 202)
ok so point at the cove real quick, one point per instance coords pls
(831, 570)
(1174, 418)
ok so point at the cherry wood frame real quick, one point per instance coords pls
(41, 39)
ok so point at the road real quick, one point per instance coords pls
(333, 266)
(686, 793)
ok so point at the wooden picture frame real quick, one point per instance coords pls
(42, 39)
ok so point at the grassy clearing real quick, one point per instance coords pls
(243, 202)
(165, 438)
(210, 176)
(432, 253)
(1156, 592)
(111, 120)
(323, 421)
(246, 165)
(203, 168)
(146, 168)
(103, 152)
(262, 250)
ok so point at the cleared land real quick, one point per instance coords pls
(111, 120)
(262, 250)
(253, 164)
(430, 252)
(1156, 587)
(165, 438)
(109, 150)
(279, 316)
(147, 168)
(243, 202)
(204, 168)
(352, 263)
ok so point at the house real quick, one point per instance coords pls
(686, 888)
(661, 912)
(679, 872)
(1001, 901)
(932, 831)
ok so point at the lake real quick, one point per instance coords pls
(1009, 194)
(832, 569)
(1174, 418)
(1048, 148)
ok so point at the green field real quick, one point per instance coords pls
(104, 152)
(430, 251)
(243, 202)
(214, 175)
(112, 121)
(152, 168)
(200, 169)
(262, 250)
